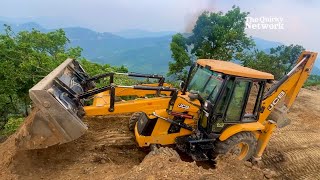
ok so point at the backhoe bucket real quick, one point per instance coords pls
(56, 116)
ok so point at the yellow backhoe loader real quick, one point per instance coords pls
(221, 108)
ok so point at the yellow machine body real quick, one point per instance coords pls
(262, 129)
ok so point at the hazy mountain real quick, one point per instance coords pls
(316, 70)
(140, 51)
(21, 27)
(138, 33)
(79, 33)
(45, 22)
(149, 55)
(317, 63)
(134, 50)
(265, 45)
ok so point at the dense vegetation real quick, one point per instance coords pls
(27, 57)
(313, 80)
(279, 61)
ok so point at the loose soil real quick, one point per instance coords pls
(294, 151)
(108, 151)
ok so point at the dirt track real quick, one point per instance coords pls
(294, 151)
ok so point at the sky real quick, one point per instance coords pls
(299, 18)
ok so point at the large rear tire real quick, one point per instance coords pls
(133, 120)
(242, 145)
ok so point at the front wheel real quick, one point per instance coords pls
(242, 145)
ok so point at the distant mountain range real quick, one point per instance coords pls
(138, 33)
(139, 50)
(265, 45)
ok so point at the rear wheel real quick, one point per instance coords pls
(133, 120)
(242, 145)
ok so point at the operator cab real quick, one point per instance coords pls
(229, 93)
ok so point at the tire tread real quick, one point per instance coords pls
(223, 147)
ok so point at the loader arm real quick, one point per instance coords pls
(101, 102)
(59, 98)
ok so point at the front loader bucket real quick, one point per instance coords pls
(56, 116)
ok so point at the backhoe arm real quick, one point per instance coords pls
(280, 98)
(287, 89)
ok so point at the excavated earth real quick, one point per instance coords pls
(294, 151)
(108, 151)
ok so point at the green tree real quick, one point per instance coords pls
(288, 55)
(214, 36)
(263, 61)
(313, 80)
(278, 62)
(27, 57)
(180, 54)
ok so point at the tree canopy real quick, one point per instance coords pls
(180, 54)
(278, 62)
(214, 36)
(222, 36)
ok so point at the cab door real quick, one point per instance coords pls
(231, 105)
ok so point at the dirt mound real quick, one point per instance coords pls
(7, 152)
(165, 163)
(106, 150)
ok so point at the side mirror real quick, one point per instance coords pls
(193, 96)
(182, 84)
(207, 105)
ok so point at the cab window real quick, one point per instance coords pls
(223, 103)
(206, 83)
(253, 95)
(237, 101)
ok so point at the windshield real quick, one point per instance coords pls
(206, 83)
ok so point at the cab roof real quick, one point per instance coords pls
(233, 69)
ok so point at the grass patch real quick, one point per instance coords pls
(313, 80)
(11, 126)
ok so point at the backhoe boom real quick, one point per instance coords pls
(286, 90)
